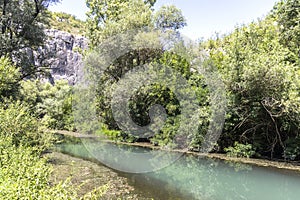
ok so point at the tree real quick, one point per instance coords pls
(66, 22)
(107, 18)
(169, 17)
(262, 88)
(52, 104)
(287, 14)
(22, 27)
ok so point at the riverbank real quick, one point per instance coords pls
(281, 165)
(88, 176)
(252, 161)
(295, 166)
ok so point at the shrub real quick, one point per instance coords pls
(262, 87)
(21, 127)
(9, 76)
(292, 150)
(240, 150)
(51, 103)
(24, 175)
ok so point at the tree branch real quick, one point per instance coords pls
(3, 14)
(276, 127)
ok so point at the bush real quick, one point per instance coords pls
(9, 76)
(292, 150)
(51, 103)
(66, 22)
(262, 87)
(240, 150)
(24, 175)
(21, 127)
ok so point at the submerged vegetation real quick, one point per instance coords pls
(258, 63)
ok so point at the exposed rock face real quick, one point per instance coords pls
(62, 53)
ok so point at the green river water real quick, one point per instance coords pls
(193, 177)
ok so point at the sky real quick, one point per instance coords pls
(204, 17)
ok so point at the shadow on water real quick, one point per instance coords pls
(192, 177)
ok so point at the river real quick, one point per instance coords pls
(194, 177)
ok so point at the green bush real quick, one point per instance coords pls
(111, 134)
(24, 175)
(51, 103)
(240, 150)
(66, 22)
(292, 150)
(9, 76)
(262, 87)
(17, 123)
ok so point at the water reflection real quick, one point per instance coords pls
(130, 159)
(217, 180)
(192, 177)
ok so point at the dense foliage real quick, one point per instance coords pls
(22, 26)
(259, 64)
(25, 175)
(106, 19)
(9, 78)
(52, 104)
(25, 116)
(109, 19)
(66, 22)
(287, 14)
(261, 73)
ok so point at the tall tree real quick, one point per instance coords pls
(262, 88)
(287, 14)
(107, 18)
(169, 17)
(22, 26)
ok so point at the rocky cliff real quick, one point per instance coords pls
(62, 51)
